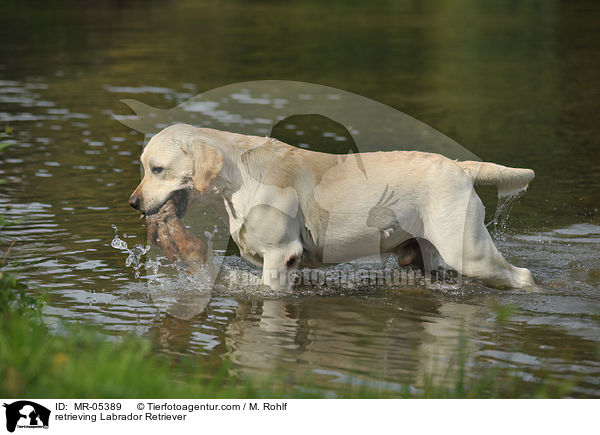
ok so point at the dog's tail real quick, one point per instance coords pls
(508, 180)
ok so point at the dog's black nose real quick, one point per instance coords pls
(134, 201)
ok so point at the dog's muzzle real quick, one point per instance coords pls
(135, 201)
(180, 200)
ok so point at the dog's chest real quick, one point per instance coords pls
(238, 229)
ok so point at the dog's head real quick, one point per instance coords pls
(180, 157)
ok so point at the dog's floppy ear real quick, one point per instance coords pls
(207, 162)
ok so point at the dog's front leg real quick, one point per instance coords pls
(278, 265)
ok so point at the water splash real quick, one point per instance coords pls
(209, 244)
(500, 221)
(134, 255)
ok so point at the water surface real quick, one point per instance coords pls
(515, 83)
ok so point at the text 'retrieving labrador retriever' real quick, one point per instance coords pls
(288, 207)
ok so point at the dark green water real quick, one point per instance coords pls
(516, 83)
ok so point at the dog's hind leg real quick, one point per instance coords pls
(420, 253)
(466, 246)
(409, 252)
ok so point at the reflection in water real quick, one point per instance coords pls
(514, 82)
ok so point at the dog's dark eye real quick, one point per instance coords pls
(157, 169)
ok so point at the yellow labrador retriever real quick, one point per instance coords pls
(288, 207)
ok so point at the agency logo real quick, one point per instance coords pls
(290, 211)
(25, 414)
(303, 115)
